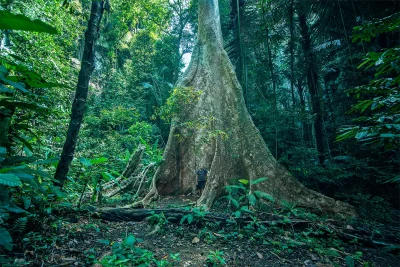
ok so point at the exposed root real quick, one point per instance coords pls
(143, 175)
(128, 179)
(155, 231)
(211, 190)
(151, 195)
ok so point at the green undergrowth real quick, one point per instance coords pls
(128, 253)
(269, 227)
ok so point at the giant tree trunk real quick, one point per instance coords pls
(243, 154)
(78, 106)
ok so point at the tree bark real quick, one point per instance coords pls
(237, 14)
(243, 154)
(313, 86)
(271, 69)
(291, 47)
(78, 106)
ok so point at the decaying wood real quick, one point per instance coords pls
(127, 177)
(132, 177)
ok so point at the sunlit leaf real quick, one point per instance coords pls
(10, 180)
(10, 21)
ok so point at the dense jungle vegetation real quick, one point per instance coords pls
(91, 95)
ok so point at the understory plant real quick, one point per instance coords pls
(215, 258)
(27, 191)
(378, 125)
(128, 253)
(241, 198)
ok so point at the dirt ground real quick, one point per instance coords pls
(78, 237)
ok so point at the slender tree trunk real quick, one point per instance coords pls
(313, 87)
(78, 106)
(330, 103)
(304, 128)
(178, 55)
(300, 91)
(242, 60)
(237, 12)
(291, 46)
(273, 79)
(243, 154)
(271, 69)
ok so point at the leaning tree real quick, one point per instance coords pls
(240, 152)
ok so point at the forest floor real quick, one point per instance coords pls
(82, 239)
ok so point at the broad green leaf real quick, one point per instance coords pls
(361, 135)
(47, 161)
(235, 203)
(27, 202)
(392, 180)
(183, 219)
(104, 241)
(259, 180)
(21, 174)
(349, 261)
(365, 62)
(19, 159)
(4, 214)
(3, 151)
(237, 214)
(229, 187)
(10, 180)
(119, 262)
(3, 71)
(4, 89)
(387, 135)
(245, 209)
(252, 199)
(332, 252)
(85, 162)
(147, 85)
(260, 195)
(10, 21)
(8, 102)
(98, 160)
(13, 208)
(5, 239)
(349, 133)
(244, 181)
(37, 84)
(7, 169)
(190, 218)
(15, 85)
(37, 172)
(25, 142)
(65, 204)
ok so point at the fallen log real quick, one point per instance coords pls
(175, 215)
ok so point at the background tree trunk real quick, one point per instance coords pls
(291, 48)
(78, 106)
(243, 154)
(313, 87)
